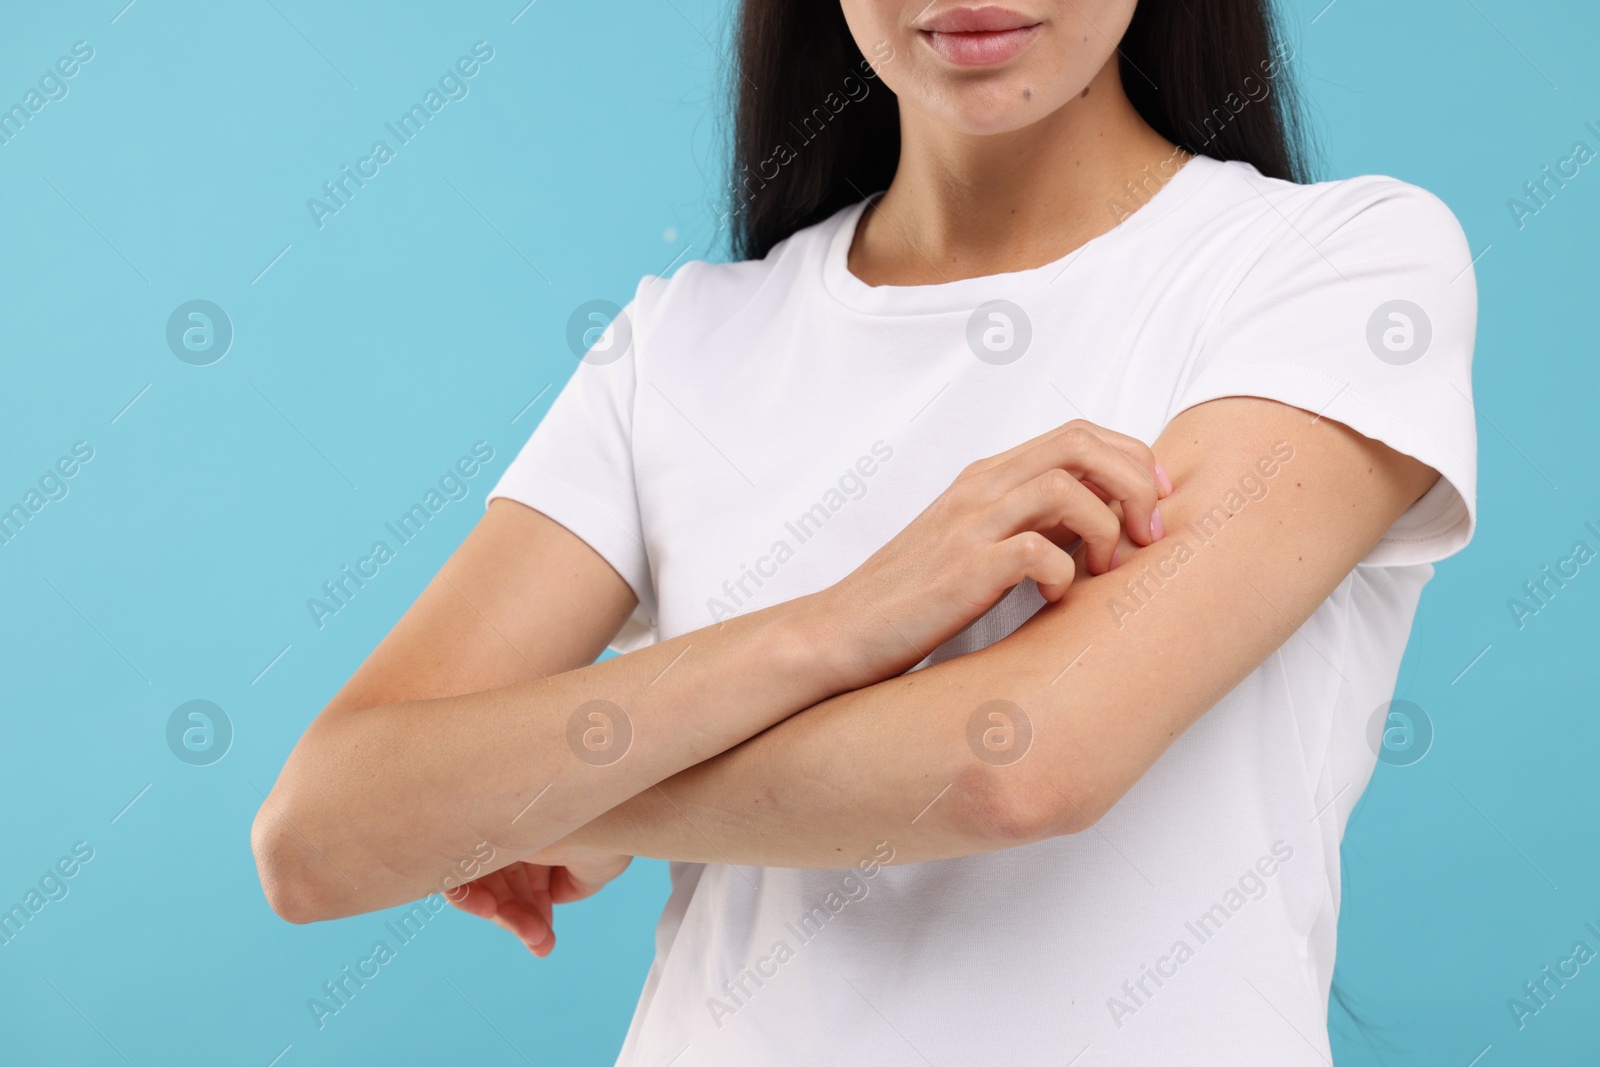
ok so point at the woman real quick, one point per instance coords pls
(978, 730)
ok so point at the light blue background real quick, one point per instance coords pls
(431, 311)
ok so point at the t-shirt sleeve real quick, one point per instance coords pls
(1362, 308)
(577, 466)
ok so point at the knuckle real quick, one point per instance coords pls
(1077, 437)
(1029, 547)
(1056, 484)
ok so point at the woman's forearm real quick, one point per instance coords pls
(891, 762)
(788, 801)
(376, 806)
(1105, 688)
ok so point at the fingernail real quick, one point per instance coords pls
(1162, 479)
(1158, 529)
(1115, 553)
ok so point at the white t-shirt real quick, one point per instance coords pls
(770, 424)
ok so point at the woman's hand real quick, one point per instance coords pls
(520, 898)
(1012, 516)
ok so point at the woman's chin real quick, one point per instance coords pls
(993, 110)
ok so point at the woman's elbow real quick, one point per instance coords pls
(301, 835)
(289, 870)
(1012, 805)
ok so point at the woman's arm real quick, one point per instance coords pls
(450, 746)
(1106, 679)
(419, 775)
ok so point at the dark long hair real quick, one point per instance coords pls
(815, 130)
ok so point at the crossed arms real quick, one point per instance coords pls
(767, 740)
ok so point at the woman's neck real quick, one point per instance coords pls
(962, 206)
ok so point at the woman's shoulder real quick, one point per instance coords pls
(1376, 210)
(709, 291)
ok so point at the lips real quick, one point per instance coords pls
(979, 36)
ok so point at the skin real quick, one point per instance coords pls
(1000, 169)
(443, 764)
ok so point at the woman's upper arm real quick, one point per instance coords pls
(522, 598)
(1248, 556)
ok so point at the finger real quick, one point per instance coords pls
(566, 888)
(585, 876)
(999, 458)
(519, 909)
(474, 900)
(1136, 450)
(1031, 555)
(459, 891)
(538, 885)
(1105, 497)
(495, 899)
(1087, 455)
(518, 901)
(1016, 465)
(516, 877)
(1059, 506)
(494, 885)
(528, 925)
(531, 884)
